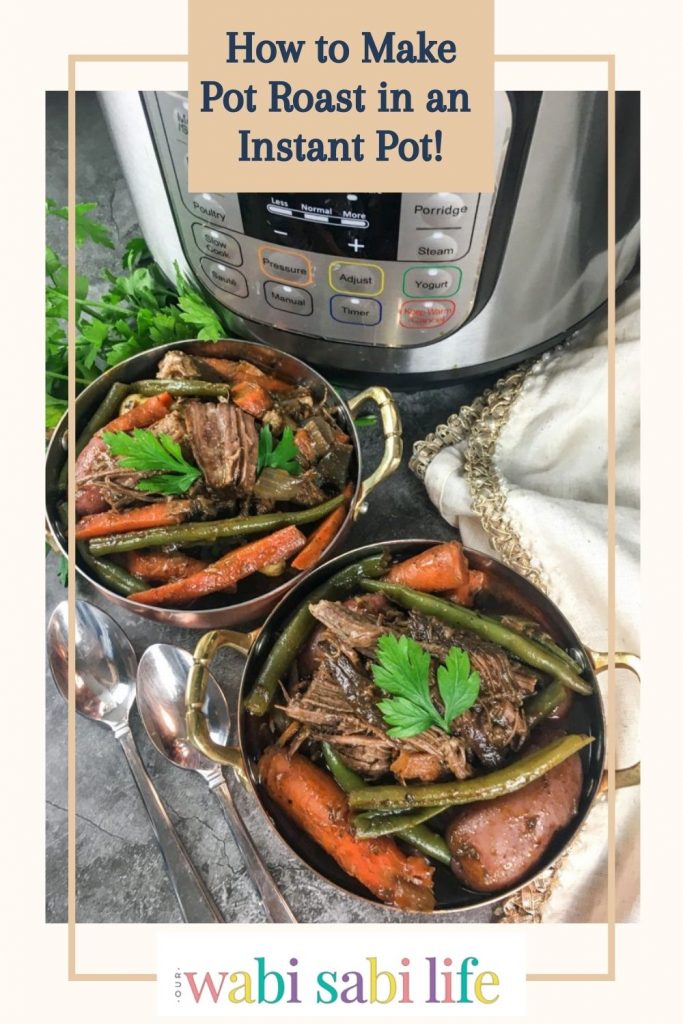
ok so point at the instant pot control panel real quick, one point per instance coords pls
(381, 269)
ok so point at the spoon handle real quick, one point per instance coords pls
(194, 899)
(274, 904)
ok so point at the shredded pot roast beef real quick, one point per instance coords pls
(339, 703)
(224, 443)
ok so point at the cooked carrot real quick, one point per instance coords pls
(323, 534)
(314, 801)
(302, 439)
(443, 567)
(163, 513)
(252, 398)
(160, 566)
(224, 573)
(464, 593)
(341, 437)
(142, 415)
(236, 372)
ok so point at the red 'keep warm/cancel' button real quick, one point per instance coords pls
(423, 314)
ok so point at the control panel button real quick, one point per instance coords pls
(431, 281)
(427, 314)
(226, 278)
(288, 298)
(206, 206)
(282, 265)
(356, 278)
(436, 245)
(441, 209)
(181, 121)
(217, 244)
(348, 309)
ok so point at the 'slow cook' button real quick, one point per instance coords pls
(285, 266)
(356, 278)
(431, 281)
(426, 315)
(226, 278)
(437, 245)
(348, 309)
(288, 299)
(218, 244)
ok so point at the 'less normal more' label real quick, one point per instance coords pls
(352, 96)
(338, 970)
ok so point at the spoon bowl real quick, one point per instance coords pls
(162, 676)
(105, 665)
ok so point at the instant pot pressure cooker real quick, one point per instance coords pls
(409, 287)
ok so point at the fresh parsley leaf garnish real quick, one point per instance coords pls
(402, 670)
(146, 452)
(282, 456)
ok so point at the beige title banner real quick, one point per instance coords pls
(373, 97)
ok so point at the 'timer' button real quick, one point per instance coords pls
(226, 278)
(348, 309)
(356, 278)
(288, 299)
(285, 266)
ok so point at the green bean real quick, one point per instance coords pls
(544, 702)
(484, 787)
(112, 576)
(185, 534)
(369, 825)
(489, 629)
(295, 633)
(531, 629)
(419, 837)
(183, 388)
(105, 413)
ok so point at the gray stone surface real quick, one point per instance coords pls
(120, 873)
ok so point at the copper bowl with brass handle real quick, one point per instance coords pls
(256, 596)
(507, 591)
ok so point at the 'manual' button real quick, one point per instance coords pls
(348, 309)
(226, 278)
(288, 299)
(356, 278)
(281, 265)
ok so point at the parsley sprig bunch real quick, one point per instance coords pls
(145, 452)
(402, 670)
(137, 310)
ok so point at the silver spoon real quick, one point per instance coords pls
(162, 678)
(105, 691)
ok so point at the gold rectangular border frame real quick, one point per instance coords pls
(609, 60)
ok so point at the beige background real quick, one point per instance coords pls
(467, 146)
(647, 47)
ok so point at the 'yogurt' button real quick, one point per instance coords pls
(281, 265)
(204, 205)
(356, 278)
(288, 299)
(348, 309)
(425, 315)
(226, 278)
(431, 281)
(216, 243)
(438, 245)
(440, 209)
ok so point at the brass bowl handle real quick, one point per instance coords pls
(622, 659)
(195, 720)
(393, 440)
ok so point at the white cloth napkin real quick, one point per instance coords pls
(551, 463)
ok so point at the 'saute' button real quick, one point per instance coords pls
(226, 278)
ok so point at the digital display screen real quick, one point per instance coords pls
(361, 225)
